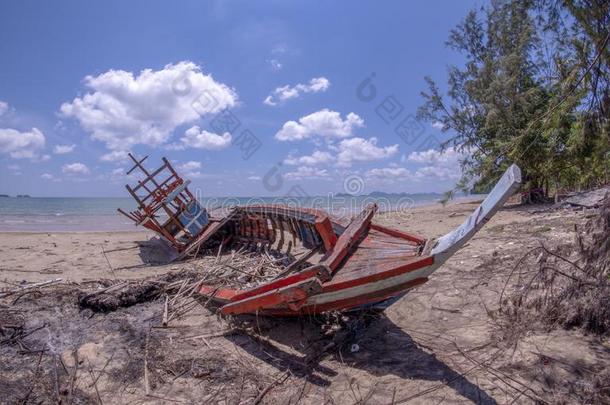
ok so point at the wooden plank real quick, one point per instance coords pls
(149, 176)
(349, 303)
(293, 295)
(398, 234)
(349, 237)
(137, 164)
(204, 236)
(321, 272)
(450, 243)
(280, 223)
(326, 232)
(381, 273)
(224, 295)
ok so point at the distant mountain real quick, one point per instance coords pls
(382, 194)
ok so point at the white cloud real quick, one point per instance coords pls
(307, 173)
(190, 166)
(119, 174)
(123, 109)
(19, 145)
(63, 149)
(438, 172)
(449, 156)
(190, 169)
(316, 158)
(438, 125)
(389, 173)
(254, 178)
(324, 123)
(47, 176)
(280, 94)
(362, 150)
(436, 167)
(427, 173)
(195, 137)
(75, 168)
(115, 156)
(439, 165)
(3, 108)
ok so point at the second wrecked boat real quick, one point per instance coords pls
(345, 265)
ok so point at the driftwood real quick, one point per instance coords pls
(29, 287)
(241, 269)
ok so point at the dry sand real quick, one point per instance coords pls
(440, 343)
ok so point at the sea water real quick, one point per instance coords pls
(100, 214)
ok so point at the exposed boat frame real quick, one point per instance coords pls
(351, 264)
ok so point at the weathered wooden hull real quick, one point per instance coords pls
(364, 265)
(348, 265)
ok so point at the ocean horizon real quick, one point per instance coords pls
(99, 214)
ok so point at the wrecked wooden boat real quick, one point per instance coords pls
(345, 265)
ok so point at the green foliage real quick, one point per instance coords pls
(534, 90)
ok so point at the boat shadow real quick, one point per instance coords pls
(155, 252)
(295, 345)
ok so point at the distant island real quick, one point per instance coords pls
(4, 195)
(382, 194)
(23, 196)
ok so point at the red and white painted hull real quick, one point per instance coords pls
(365, 265)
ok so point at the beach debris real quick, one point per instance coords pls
(566, 286)
(127, 293)
(165, 205)
(588, 199)
(27, 287)
(290, 260)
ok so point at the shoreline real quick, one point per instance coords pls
(58, 228)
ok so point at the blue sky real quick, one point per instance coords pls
(246, 98)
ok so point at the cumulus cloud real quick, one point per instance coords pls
(75, 168)
(281, 94)
(324, 123)
(190, 169)
(307, 173)
(438, 173)
(449, 156)
(63, 149)
(3, 108)
(198, 138)
(389, 172)
(20, 145)
(115, 156)
(122, 109)
(443, 165)
(316, 158)
(434, 166)
(47, 176)
(362, 150)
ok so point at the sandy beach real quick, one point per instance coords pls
(440, 343)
